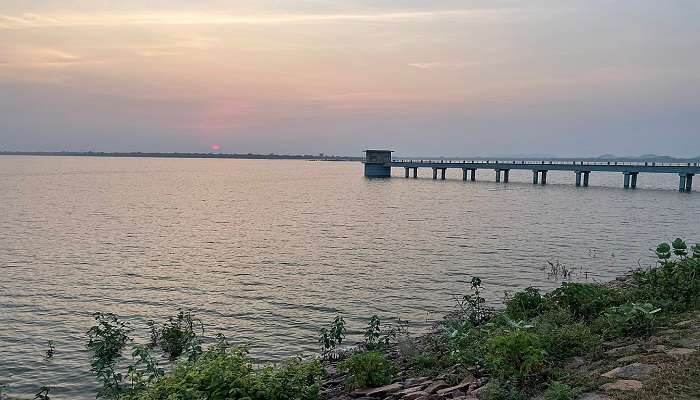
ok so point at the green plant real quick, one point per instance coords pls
(144, 370)
(526, 304)
(227, 373)
(374, 336)
(680, 249)
(516, 356)
(567, 340)
(51, 350)
(674, 285)
(332, 336)
(372, 332)
(584, 300)
(43, 393)
(106, 340)
(663, 252)
(560, 391)
(472, 306)
(178, 335)
(503, 390)
(631, 319)
(367, 369)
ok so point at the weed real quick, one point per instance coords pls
(178, 335)
(585, 300)
(631, 319)
(369, 369)
(43, 393)
(51, 350)
(472, 306)
(516, 356)
(526, 304)
(560, 391)
(107, 339)
(332, 336)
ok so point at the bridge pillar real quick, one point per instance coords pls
(442, 173)
(535, 176)
(544, 177)
(406, 168)
(682, 183)
(435, 173)
(498, 175)
(415, 172)
(585, 178)
(472, 175)
(626, 183)
(633, 184)
(578, 178)
(464, 174)
(689, 182)
(506, 172)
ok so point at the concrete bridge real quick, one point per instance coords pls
(378, 163)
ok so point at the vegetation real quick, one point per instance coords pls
(367, 369)
(521, 349)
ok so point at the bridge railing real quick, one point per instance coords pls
(548, 162)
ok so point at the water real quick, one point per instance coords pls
(269, 251)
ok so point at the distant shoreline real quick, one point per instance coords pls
(249, 156)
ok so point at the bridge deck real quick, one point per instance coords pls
(574, 166)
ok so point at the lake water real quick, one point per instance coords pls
(269, 251)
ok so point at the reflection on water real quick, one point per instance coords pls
(267, 251)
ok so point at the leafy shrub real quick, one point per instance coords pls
(106, 341)
(585, 300)
(177, 335)
(467, 343)
(567, 340)
(526, 304)
(503, 390)
(516, 356)
(473, 307)
(631, 319)
(369, 369)
(675, 285)
(680, 249)
(375, 336)
(332, 336)
(560, 391)
(229, 374)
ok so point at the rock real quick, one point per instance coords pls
(576, 363)
(633, 357)
(414, 395)
(687, 343)
(430, 397)
(480, 392)
(622, 350)
(435, 386)
(680, 352)
(453, 391)
(623, 384)
(379, 392)
(408, 390)
(594, 396)
(685, 324)
(416, 381)
(637, 371)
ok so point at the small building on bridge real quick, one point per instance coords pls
(378, 163)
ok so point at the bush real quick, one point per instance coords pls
(526, 304)
(177, 335)
(332, 336)
(516, 356)
(500, 390)
(675, 285)
(106, 341)
(229, 374)
(560, 391)
(472, 307)
(585, 301)
(369, 369)
(630, 319)
(567, 340)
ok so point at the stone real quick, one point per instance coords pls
(623, 384)
(414, 395)
(576, 363)
(637, 371)
(454, 391)
(633, 357)
(416, 381)
(430, 397)
(687, 343)
(621, 350)
(480, 392)
(435, 386)
(594, 396)
(379, 392)
(680, 352)
(408, 390)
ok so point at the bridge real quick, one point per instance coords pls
(378, 164)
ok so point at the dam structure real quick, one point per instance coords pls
(378, 164)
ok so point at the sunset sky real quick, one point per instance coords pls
(421, 77)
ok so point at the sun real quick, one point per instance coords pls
(215, 147)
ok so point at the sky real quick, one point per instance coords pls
(453, 78)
